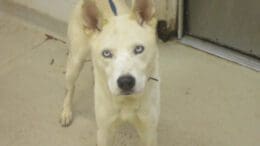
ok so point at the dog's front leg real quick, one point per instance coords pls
(106, 131)
(74, 66)
(147, 132)
(149, 136)
(105, 136)
(107, 123)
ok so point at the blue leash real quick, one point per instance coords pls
(113, 7)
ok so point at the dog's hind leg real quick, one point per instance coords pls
(74, 66)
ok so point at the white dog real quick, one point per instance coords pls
(122, 45)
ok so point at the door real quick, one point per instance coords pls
(231, 23)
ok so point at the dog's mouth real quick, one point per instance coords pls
(126, 93)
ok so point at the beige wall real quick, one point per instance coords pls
(60, 9)
(167, 10)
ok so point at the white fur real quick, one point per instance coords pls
(120, 35)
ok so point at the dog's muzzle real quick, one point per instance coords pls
(126, 83)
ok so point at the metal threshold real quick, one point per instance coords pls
(222, 52)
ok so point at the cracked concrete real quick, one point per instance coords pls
(206, 101)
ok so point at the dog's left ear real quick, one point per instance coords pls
(144, 10)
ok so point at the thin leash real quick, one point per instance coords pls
(153, 79)
(113, 7)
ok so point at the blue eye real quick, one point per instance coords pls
(107, 54)
(139, 49)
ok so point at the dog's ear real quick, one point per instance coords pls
(144, 10)
(91, 15)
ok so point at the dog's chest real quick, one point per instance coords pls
(128, 110)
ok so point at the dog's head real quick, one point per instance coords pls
(124, 50)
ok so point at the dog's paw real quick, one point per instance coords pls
(66, 118)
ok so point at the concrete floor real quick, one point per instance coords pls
(206, 101)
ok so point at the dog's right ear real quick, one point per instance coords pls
(90, 15)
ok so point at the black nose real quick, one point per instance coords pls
(126, 82)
